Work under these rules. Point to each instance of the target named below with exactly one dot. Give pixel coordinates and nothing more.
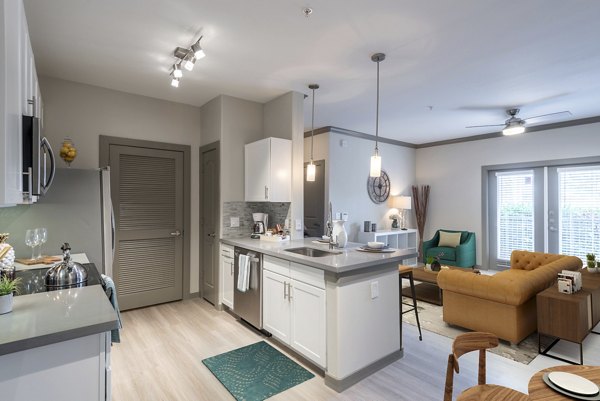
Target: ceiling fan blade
(566, 113)
(491, 125)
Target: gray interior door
(147, 192)
(314, 201)
(209, 192)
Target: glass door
(574, 210)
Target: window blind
(579, 210)
(515, 213)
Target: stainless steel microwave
(38, 160)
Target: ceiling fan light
(513, 130)
(311, 171)
(375, 170)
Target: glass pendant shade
(375, 165)
(311, 171)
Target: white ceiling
(469, 59)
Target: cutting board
(44, 260)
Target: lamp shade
(310, 171)
(402, 202)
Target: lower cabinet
(294, 307)
(226, 275)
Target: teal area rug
(256, 372)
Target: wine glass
(43, 236)
(32, 239)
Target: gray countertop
(55, 316)
(348, 262)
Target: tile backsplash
(278, 213)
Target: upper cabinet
(20, 97)
(268, 170)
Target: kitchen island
(56, 346)
(344, 307)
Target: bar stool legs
(408, 275)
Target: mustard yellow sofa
(503, 303)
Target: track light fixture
(187, 59)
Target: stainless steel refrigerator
(76, 209)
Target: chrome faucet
(330, 229)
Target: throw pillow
(451, 240)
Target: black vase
(436, 266)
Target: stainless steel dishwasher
(248, 304)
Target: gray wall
(454, 171)
(84, 112)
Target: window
(515, 213)
(579, 210)
(553, 208)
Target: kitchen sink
(312, 252)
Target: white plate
(573, 383)
(367, 249)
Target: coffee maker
(261, 221)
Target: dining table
(540, 391)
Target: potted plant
(7, 288)
(394, 218)
(591, 263)
(436, 266)
(428, 261)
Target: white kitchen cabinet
(308, 323)
(294, 307)
(268, 170)
(276, 306)
(227, 273)
(20, 88)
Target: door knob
(212, 235)
(176, 233)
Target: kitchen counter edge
(365, 263)
(31, 310)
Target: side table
(564, 317)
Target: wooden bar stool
(407, 273)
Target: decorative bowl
(376, 245)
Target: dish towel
(111, 292)
(243, 273)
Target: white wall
(454, 171)
(84, 112)
(348, 174)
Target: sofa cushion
(525, 260)
(449, 239)
(449, 253)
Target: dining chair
(477, 341)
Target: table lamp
(403, 203)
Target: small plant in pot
(8, 287)
(433, 263)
(592, 266)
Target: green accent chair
(461, 256)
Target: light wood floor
(159, 358)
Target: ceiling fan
(515, 125)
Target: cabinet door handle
(231, 264)
(266, 192)
(290, 292)
(284, 290)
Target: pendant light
(375, 170)
(311, 169)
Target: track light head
(177, 73)
(197, 50)
(189, 61)
(175, 82)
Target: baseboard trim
(340, 385)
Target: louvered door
(147, 191)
